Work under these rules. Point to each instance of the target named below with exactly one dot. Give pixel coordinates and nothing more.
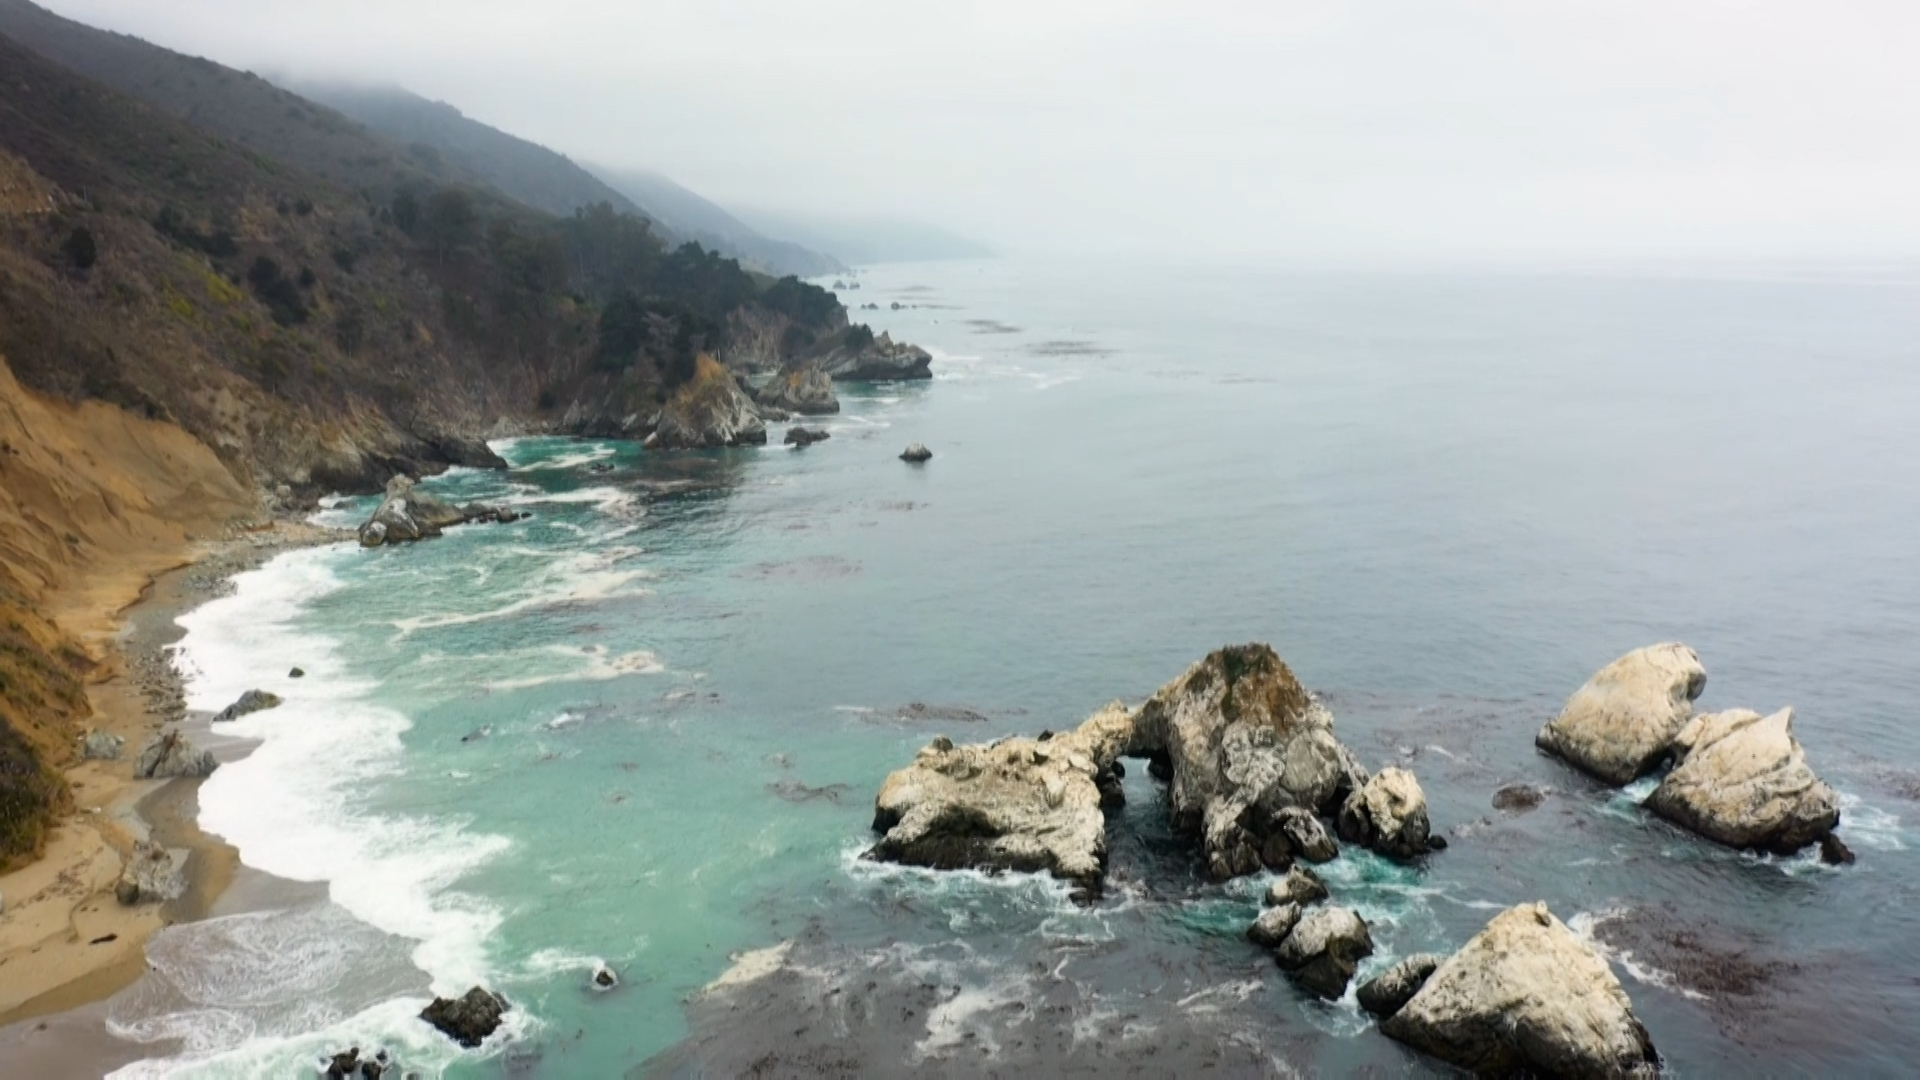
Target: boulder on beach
(805, 390)
(408, 514)
(101, 746)
(152, 875)
(1385, 993)
(1298, 886)
(1387, 814)
(1017, 804)
(172, 755)
(1246, 744)
(1622, 723)
(468, 1019)
(1527, 997)
(708, 410)
(916, 452)
(1743, 781)
(252, 701)
(1324, 949)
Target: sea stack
(1621, 724)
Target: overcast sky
(1412, 129)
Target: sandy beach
(66, 942)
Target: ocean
(644, 726)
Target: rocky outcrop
(1526, 996)
(1621, 724)
(805, 390)
(802, 437)
(408, 514)
(1299, 886)
(252, 701)
(1743, 781)
(172, 755)
(1324, 949)
(1017, 804)
(1385, 993)
(1250, 758)
(468, 1019)
(1387, 814)
(1273, 925)
(863, 358)
(709, 410)
(1245, 744)
(349, 1065)
(916, 453)
(152, 875)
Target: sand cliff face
(93, 501)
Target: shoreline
(66, 943)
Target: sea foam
(297, 806)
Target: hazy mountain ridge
(439, 136)
(697, 218)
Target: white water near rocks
(644, 730)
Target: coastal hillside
(92, 500)
(320, 338)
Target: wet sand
(66, 943)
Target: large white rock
(1526, 996)
(1388, 814)
(1018, 804)
(1744, 781)
(1621, 724)
(1244, 741)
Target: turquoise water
(643, 727)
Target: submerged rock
(252, 701)
(1387, 814)
(916, 452)
(469, 1019)
(603, 978)
(805, 390)
(1324, 950)
(708, 410)
(172, 755)
(1519, 798)
(1246, 743)
(1621, 724)
(799, 436)
(152, 875)
(102, 746)
(1273, 925)
(408, 514)
(1743, 781)
(1018, 804)
(1385, 993)
(1299, 886)
(1526, 996)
